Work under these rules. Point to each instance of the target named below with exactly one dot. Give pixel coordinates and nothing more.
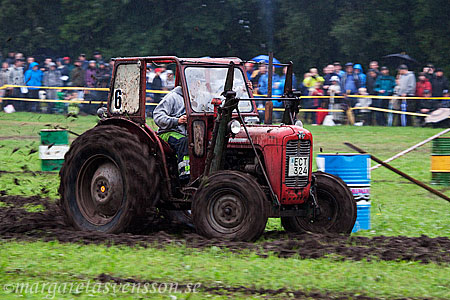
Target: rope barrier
(255, 95)
(79, 101)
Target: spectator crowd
(61, 72)
(334, 80)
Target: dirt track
(282, 293)
(17, 223)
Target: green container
(54, 145)
(441, 145)
(54, 136)
(440, 178)
(49, 165)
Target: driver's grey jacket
(169, 110)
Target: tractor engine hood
(266, 135)
(275, 144)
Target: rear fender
(148, 135)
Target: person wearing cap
(384, 86)
(157, 84)
(350, 81)
(77, 77)
(440, 87)
(439, 84)
(98, 58)
(84, 62)
(91, 74)
(52, 78)
(425, 70)
(335, 87)
(338, 69)
(66, 62)
(429, 71)
(407, 88)
(334, 90)
(169, 84)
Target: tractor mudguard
(157, 145)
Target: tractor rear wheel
(230, 205)
(109, 181)
(337, 208)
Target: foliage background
(311, 33)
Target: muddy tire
(109, 181)
(230, 205)
(337, 205)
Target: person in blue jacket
(277, 90)
(33, 77)
(384, 86)
(362, 77)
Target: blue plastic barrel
(363, 219)
(354, 169)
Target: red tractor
(120, 173)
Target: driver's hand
(182, 119)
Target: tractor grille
(296, 148)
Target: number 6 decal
(117, 98)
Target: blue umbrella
(265, 58)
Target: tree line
(310, 33)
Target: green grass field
(398, 208)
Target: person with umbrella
(400, 59)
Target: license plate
(298, 166)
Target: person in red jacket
(317, 103)
(423, 89)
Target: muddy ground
(281, 293)
(17, 223)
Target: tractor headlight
(299, 123)
(234, 126)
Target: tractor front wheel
(230, 205)
(337, 208)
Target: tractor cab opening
(207, 83)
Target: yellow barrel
(440, 161)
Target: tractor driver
(170, 116)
